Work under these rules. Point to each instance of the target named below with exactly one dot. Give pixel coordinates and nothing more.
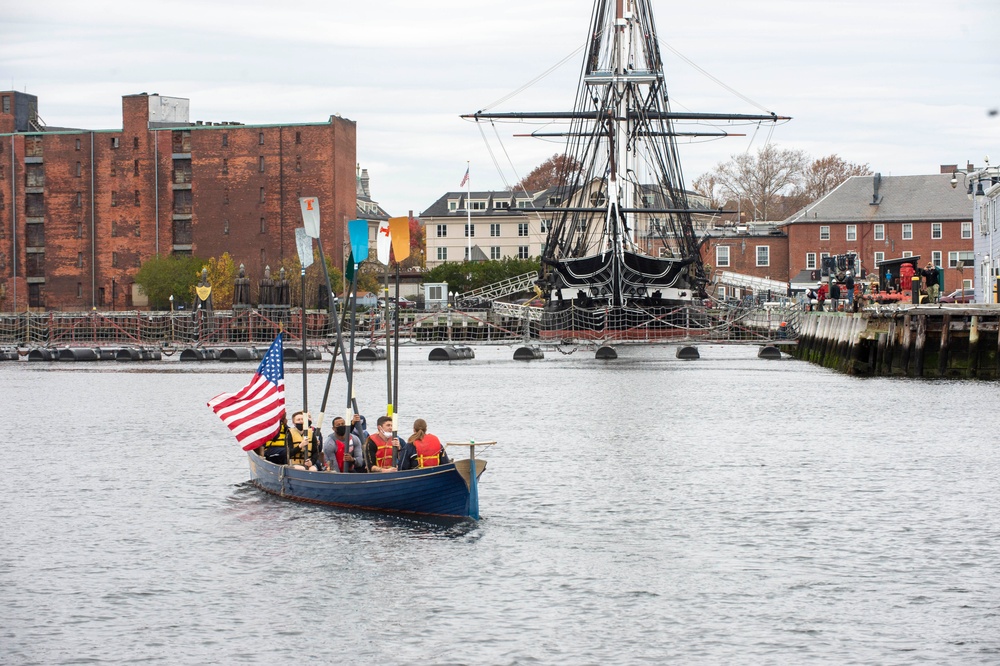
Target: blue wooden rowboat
(444, 490)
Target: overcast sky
(904, 85)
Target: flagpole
(468, 213)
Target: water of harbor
(643, 510)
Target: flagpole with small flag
(468, 213)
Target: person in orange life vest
(381, 450)
(423, 449)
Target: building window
(135, 167)
(544, 226)
(225, 196)
(936, 230)
(135, 142)
(824, 233)
(907, 231)
(6, 103)
(225, 227)
(442, 230)
(442, 254)
(879, 258)
(79, 169)
(936, 258)
(114, 198)
(79, 290)
(260, 139)
(263, 257)
(879, 232)
(137, 197)
(907, 253)
(477, 205)
(810, 261)
(501, 205)
(494, 230)
(722, 256)
(452, 205)
(852, 232)
(263, 225)
(225, 140)
(262, 195)
(114, 260)
(225, 166)
(966, 230)
(763, 255)
(78, 201)
(260, 164)
(494, 252)
(34, 294)
(79, 259)
(522, 229)
(298, 138)
(114, 168)
(79, 229)
(298, 163)
(78, 144)
(522, 252)
(470, 230)
(114, 142)
(961, 259)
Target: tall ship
(621, 234)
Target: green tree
(172, 275)
(222, 274)
(467, 275)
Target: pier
(959, 341)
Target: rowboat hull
(443, 490)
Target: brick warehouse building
(81, 209)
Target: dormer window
(555, 201)
(452, 204)
(501, 205)
(477, 205)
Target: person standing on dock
(931, 281)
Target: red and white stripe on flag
(254, 413)
(465, 178)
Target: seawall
(919, 341)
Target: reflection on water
(715, 511)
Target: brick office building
(754, 250)
(887, 217)
(80, 210)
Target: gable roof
(926, 198)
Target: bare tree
(827, 173)
(759, 182)
(548, 173)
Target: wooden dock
(958, 341)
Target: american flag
(465, 178)
(254, 414)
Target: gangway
(757, 284)
(491, 292)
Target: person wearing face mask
(305, 453)
(382, 449)
(348, 457)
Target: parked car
(404, 303)
(960, 296)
